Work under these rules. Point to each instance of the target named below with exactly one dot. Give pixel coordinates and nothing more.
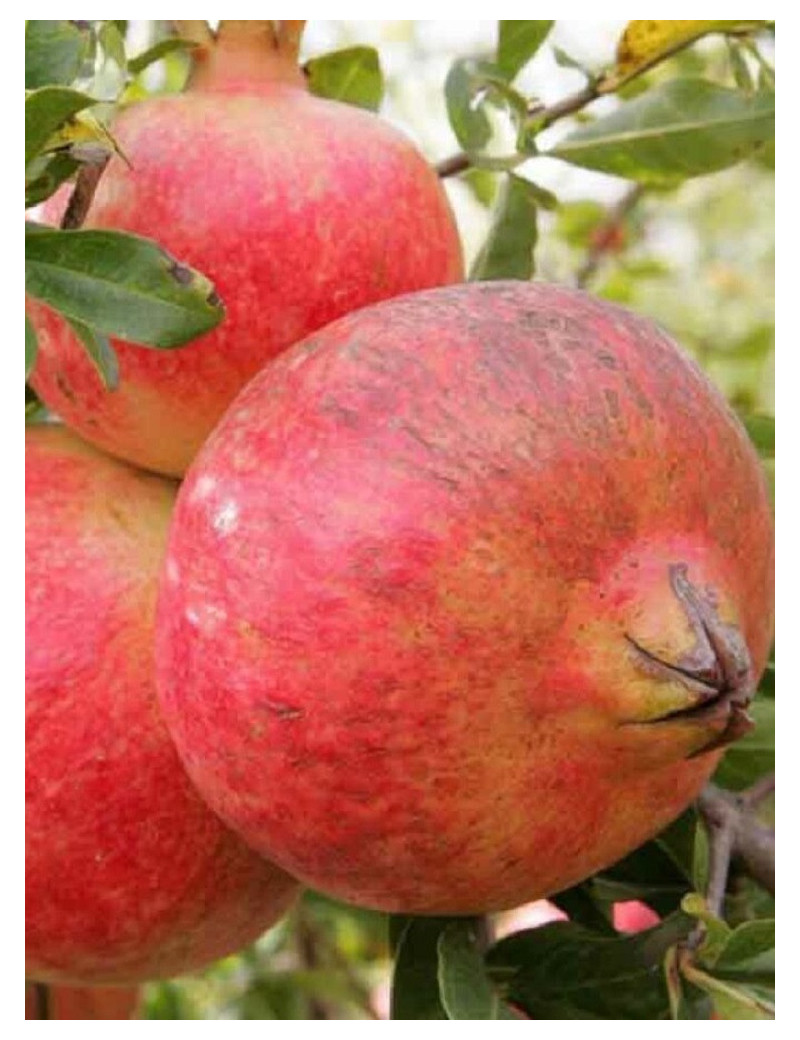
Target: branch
(735, 833)
(598, 86)
(606, 233)
(82, 194)
(546, 116)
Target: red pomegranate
(464, 596)
(128, 875)
(299, 209)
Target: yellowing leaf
(80, 131)
(643, 44)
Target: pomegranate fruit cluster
(460, 599)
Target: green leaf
(469, 86)
(352, 75)
(562, 970)
(762, 432)
(735, 1000)
(46, 109)
(100, 353)
(54, 52)
(156, 52)
(517, 42)
(45, 174)
(580, 906)
(465, 989)
(508, 249)
(682, 128)
(113, 44)
(700, 860)
(120, 284)
(31, 347)
(415, 985)
(749, 953)
(754, 754)
(716, 932)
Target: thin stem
(545, 116)
(82, 194)
(736, 833)
(606, 234)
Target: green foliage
(119, 284)
(517, 43)
(508, 249)
(352, 75)
(680, 129)
(564, 970)
(54, 53)
(464, 986)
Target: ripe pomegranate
(298, 208)
(128, 875)
(464, 596)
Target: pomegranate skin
(463, 597)
(299, 209)
(128, 875)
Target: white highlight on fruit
(226, 518)
(203, 487)
(172, 569)
(205, 616)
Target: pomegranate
(128, 875)
(464, 597)
(298, 208)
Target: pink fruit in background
(128, 875)
(298, 208)
(464, 596)
(632, 915)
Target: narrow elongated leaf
(31, 347)
(119, 284)
(352, 75)
(159, 50)
(469, 87)
(508, 250)
(644, 43)
(680, 129)
(749, 954)
(735, 999)
(415, 986)
(100, 353)
(54, 52)
(113, 44)
(46, 110)
(564, 970)
(517, 42)
(465, 989)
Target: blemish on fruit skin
(226, 518)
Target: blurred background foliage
(698, 258)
